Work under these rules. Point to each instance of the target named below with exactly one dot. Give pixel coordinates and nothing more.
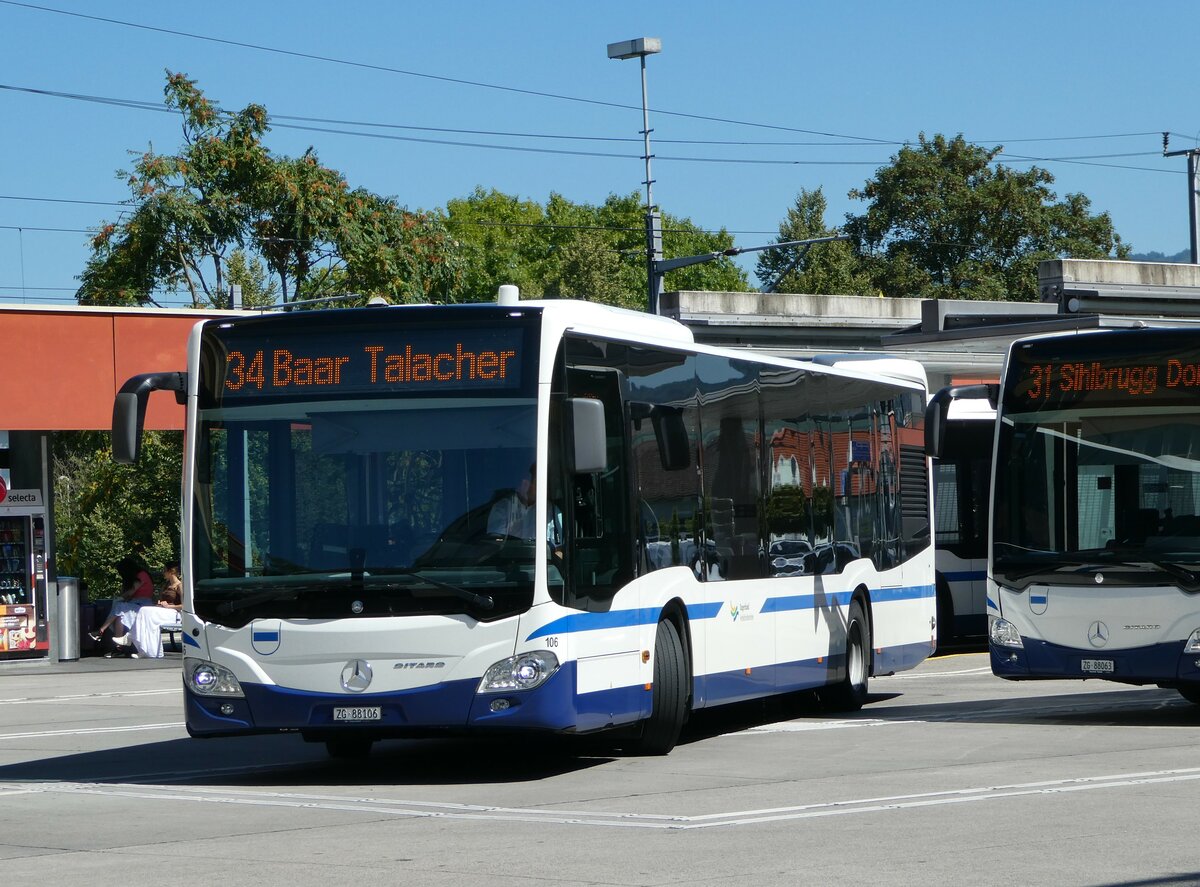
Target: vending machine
(23, 618)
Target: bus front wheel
(850, 693)
(661, 730)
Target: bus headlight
(522, 672)
(209, 679)
(1193, 643)
(1005, 634)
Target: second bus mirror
(935, 423)
(939, 408)
(588, 432)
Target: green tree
(224, 191)
(105, 511)
(946, 221)
(828, 268)
(501, 239)
(251, 276)
(577, 250)
(587, 267)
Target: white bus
(1095, 542)
(962, 476)
(707, 527)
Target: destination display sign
(1105, 370)
(259, 362)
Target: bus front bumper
(450, 707)
(1164, 664)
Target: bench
(172, 636)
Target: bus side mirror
(939, 407)
(935, 428)
(129, 411)
(672, 438)
(590, 450)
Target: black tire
(850, 692)
(1190, 692)
(349, 748)
(661, 730)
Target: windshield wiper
(482, 601)
(282, 587)
(1189, 579)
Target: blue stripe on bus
(617, 619)
(804, 601)
(842, 598)
(649, 615)
(268, 637)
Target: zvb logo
(1097, 634)
(356, 675)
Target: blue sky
(1097, 81)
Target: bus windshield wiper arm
(1059, 566)
(281, 589)
(483, 601)
(1189, 577)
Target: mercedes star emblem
(356, 675)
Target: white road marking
(912, 676)
(92, 731)
(807, 726)
(424, 810)
(87, 697)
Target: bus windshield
(1098, 469)
(363, 507)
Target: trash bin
(68, 618)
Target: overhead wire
(293, 53)
(304, 123)
(329, 130)
(259, 47)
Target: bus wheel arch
(672, 684)
(850, 692)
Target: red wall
(61, 367)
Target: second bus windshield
(1099, 456)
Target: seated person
(137, 590)
(150, 621)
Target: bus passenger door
(601, 542)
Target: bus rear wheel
(850, 693)
(1190, 692)
(661, 730)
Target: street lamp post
(639, 49)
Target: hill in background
(1183, 256)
